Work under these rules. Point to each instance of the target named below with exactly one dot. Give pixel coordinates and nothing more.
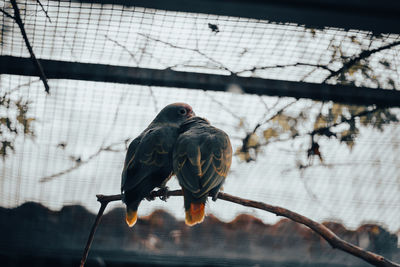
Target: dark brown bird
(148, 161)
(202, 157)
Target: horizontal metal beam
(381, 16)
(169, 78)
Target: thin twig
(273, 116)
(227, 109)
(7, 14)
(44, 10)
(222, 66)
(320, 229)
(154, 98)
(123, 47)
(16, 88)
(36, 62)
(286, 66)
(80, 163)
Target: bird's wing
(202, 162)
(129, 158)
(148, 156)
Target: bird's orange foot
(163, 191)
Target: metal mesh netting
(80, 146)
(82, 128)
(148, 38)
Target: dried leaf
(243, 156)
(213, 27)
(385, 63)
(354, 68)
(283, 121)
(253, 140)
(390, 81)
(269, 133)
(354, 40)
(241, 123)
(336, 111)
(320, 122)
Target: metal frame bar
(376, 16)
(191, 80)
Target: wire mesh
(82, 128)
(149, 38)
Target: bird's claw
(150, 197)
(163, 191)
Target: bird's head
(175, 113)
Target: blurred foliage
(14, 121)
(336, 121)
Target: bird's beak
(191, 114)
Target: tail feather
(195, 214)
(131, 217)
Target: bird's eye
(182, 111)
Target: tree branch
(364, 54)
(44, 10)
(80, 163)
(7, 14)
(124, 48)
(188, 49)
(35, 61)
(320, 229)
(322, 130)
(286, 66)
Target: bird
(148, 161)
(202, 157)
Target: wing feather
(147, 155)
(202, 161)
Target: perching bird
(148, 161)
(202, 157)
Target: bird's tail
(195, 214)
(131, 217)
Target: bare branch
(322, 130)
(188, 49)
(320, 229)
(273, 116)
(223, 106)
(363, 55)
(153, 96)
(16, 88)
(7, 14)
(286, 66)
(35, 61)
(123, 47)
(80, 163)
(44, 10)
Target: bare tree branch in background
(18, 20)
(44, 10)
(320, 229)
(286, 66)
(124, 48)
(196, 50)
(7, 14)
(364, 54)
(79, 162)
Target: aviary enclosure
(306, 90)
